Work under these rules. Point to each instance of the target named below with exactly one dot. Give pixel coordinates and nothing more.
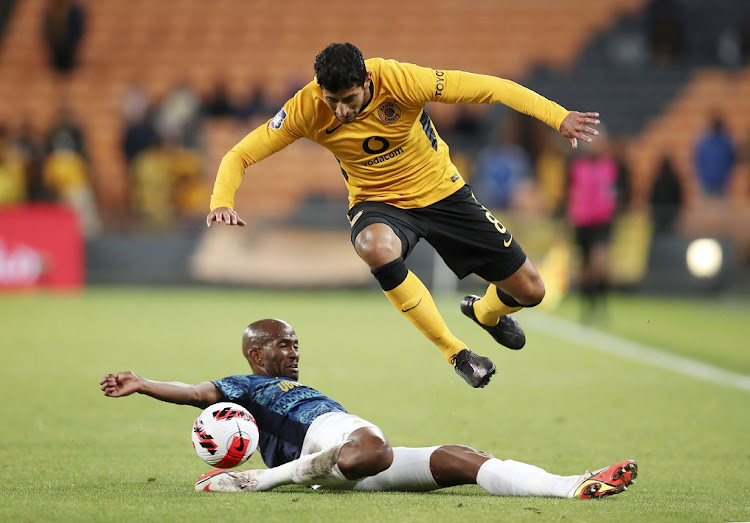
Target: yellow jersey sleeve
(459, 87)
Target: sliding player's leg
(431, 468)
(339, 449)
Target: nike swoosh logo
(241, 446)
(410, 308)
(329, 131)
(508, 242)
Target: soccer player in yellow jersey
(403, 186)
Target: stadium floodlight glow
(704, 257)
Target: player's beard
(352, 117)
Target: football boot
(228, 481)
(475, 369)
(607, 481)
(507, 331)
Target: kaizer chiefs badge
(389, 112)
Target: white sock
(272, 478)
(513, 478)
(319, 468)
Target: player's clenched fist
(121, 384)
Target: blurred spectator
(501, 170)
(624, 189)
(592, 204)
(744, 36)
(12, 179)
(257, 104)
(63, 29)
(219, 104)
(65, 132)
(152, 193)
(178, 117)
(66, 175)
(139, 135)
(733, 46)
(31, 153)
(140, 131)
(166, 185)
(667, 197)
(135, 103)
(467, 129)
(530, 132)
(714, 158)
(551, 168)
(665, 27)
(189, 196)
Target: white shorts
(334, 428)
(410, 472)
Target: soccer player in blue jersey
(403, 186)
(306, 438)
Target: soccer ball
(225, 435)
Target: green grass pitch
(70, 454)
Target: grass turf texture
(70, 454)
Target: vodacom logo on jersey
(20, 265)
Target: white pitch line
(601, 341)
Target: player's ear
(255, 358)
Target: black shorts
(463, 232)
(589, 236)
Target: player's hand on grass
(576, 127)
(120, 384)
(226, 215)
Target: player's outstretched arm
(226, 215)
(575, 127)
(126, 383)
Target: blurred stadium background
(108, 153)
(123, 110)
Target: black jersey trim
(428, 129)
(343, 172)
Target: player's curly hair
(339, 67)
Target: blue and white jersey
(283, 410)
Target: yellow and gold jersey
(391, 152)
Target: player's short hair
(339, 67)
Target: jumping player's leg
(470, 239)
(524, 288)
(383, 236)
(381, 249)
